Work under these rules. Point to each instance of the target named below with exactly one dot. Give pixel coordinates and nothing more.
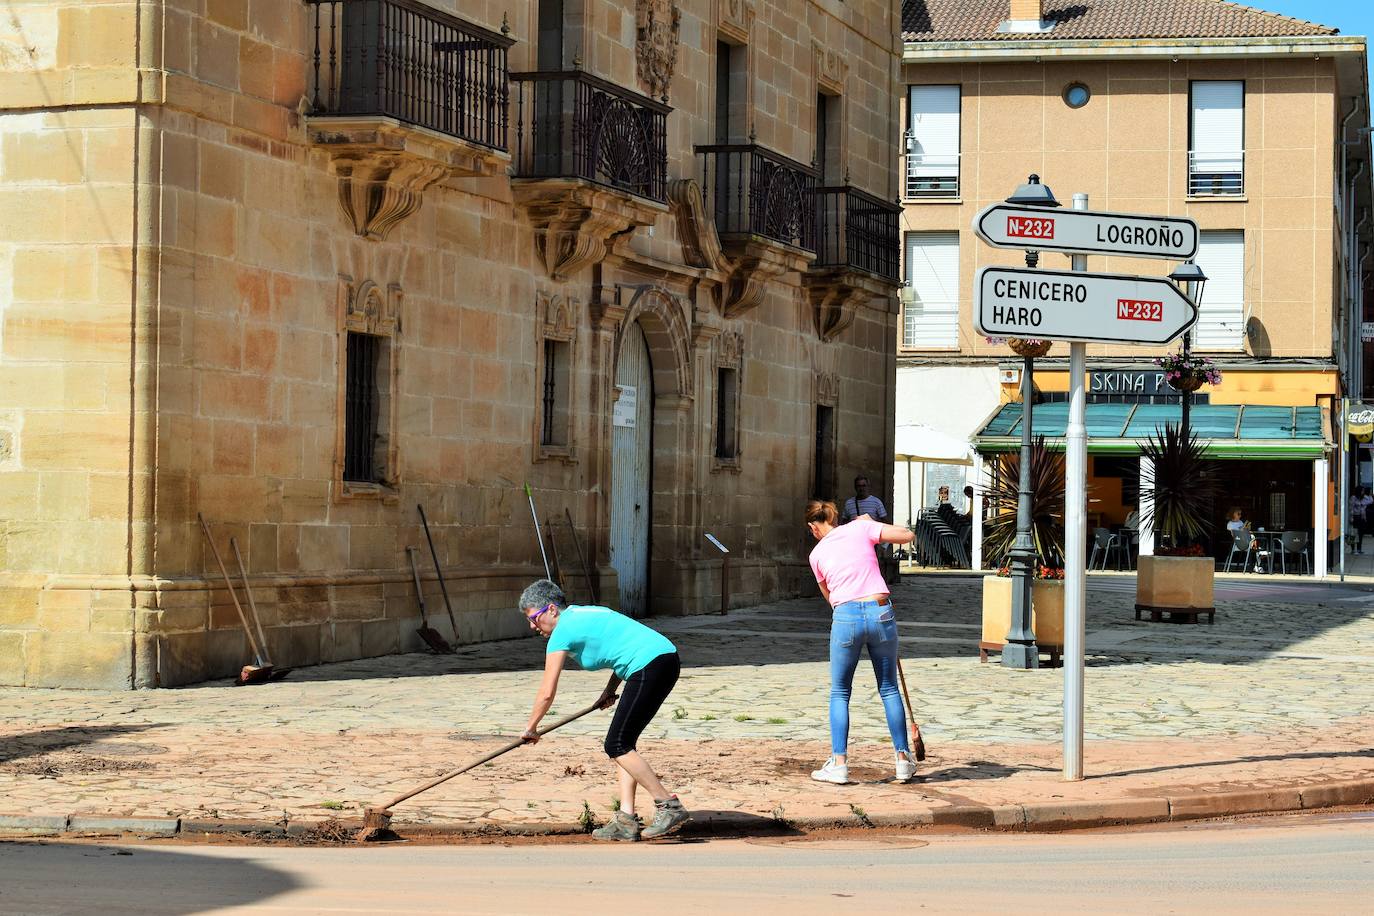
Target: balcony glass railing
(925, 175)
(404, 60)
(750, 190)
(570, 124)
(1216, 174)
(856, 229)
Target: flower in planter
(1037, 572)
(1178, 366)
(1190, 550)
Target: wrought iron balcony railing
(404, 60)
(1216, 174)
(750, 190)
(856, 229)
(570, 124)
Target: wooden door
(631, 431)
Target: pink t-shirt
(844, 560)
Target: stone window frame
(729, 355)
(830, 72)
(827, 394)
(367, 308)
(734, 27)
(555, 320)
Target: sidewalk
(1274, 698)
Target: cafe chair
(1106, 543)
(1294, 543)
(1242, 542)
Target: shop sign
(1359, 420)
(1366, 331)
(1133, 383)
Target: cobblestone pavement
(1276, 693)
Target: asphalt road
(1321, 864)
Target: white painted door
(631, 427)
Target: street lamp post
(1019, 650)
(1193, 279)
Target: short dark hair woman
(847, 571)
(600, 638)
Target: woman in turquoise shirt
(599, 638)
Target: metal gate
(631, 428)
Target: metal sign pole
(1343, 484)
(1075, 544)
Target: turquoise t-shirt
(599, 638)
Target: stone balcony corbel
(384, 167)
(576, 221)
(836, 293)
(856, 263)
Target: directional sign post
(1069, 305)
(1087, 232)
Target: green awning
(1227, 430)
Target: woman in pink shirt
(847, 571)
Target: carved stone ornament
(368, 309)
(575, 222)
(742, 280)
(378, 190)
(835, 295)
(735, 19)
(831, 68)
(827, 388)
(557, 314)
(657, 24)
(730, 349)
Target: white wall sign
(1087, 232)
(623, 413)
(1072, 305)
(1367, 331)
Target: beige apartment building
(300, 267)
(1252, 124)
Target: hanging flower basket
(1029, 346)
(1187, 381)
(1186, 372)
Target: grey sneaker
(669, 815)
(623, 827)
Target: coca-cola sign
(1359, 420)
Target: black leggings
(644, 693)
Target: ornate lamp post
(1191, 277)
(1020, 650)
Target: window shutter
(1218, 122)
(931, 319)
(934, 122)
(1221, 322)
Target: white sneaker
(837, 773)
(906, 768)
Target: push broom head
(376, 826)
(252, 674)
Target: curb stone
(1036, 817)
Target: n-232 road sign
(1132, 235)
(1071, 305)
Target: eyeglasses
(542, 611)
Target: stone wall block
(380, 637)
(324, 547)
(295, 645)
(18, 608)
(12, 660)
(182, 658)
(342, 640)
(89, 661)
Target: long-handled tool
(553, 549)
(428, 634)
(276, 673)
(537, 533)
(249, 674)
(438, 571)
(918, 744)
(586, 570)
(377, 820)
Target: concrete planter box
(1178, 586)
(1047, 615)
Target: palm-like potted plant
(1177, 580)
(1047, 479)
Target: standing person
(1360, 501)
(864, 503)
(599, 638)
(847, 572)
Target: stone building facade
(300, 266)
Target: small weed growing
(586, 820)
(744, 718)
(861, 814)
(708, 718)
(774, 720)
(615, 804)
(333, 805)
(679, 714)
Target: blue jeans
(856, 624)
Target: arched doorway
(632, 421)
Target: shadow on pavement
(49, 740)
(77, 877)
(1253, 758)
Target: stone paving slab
(1274, 696)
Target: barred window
(554, 393)
(366, 392)
(727, 413)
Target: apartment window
(1221, 321)
(823, 485)
(554, 393)
(1216, 141)
(550, 44)
(731, 92)
(930, 301)
(364, 396)
(932, 142)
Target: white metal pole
(1147, 507)
(1321, 481)
(1075, 543)
(975, 511)
(1343, 484)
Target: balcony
(857, 249)
(1216, 174)
(403, 96)
(927, 177)
(754, 192)
(591, 162)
